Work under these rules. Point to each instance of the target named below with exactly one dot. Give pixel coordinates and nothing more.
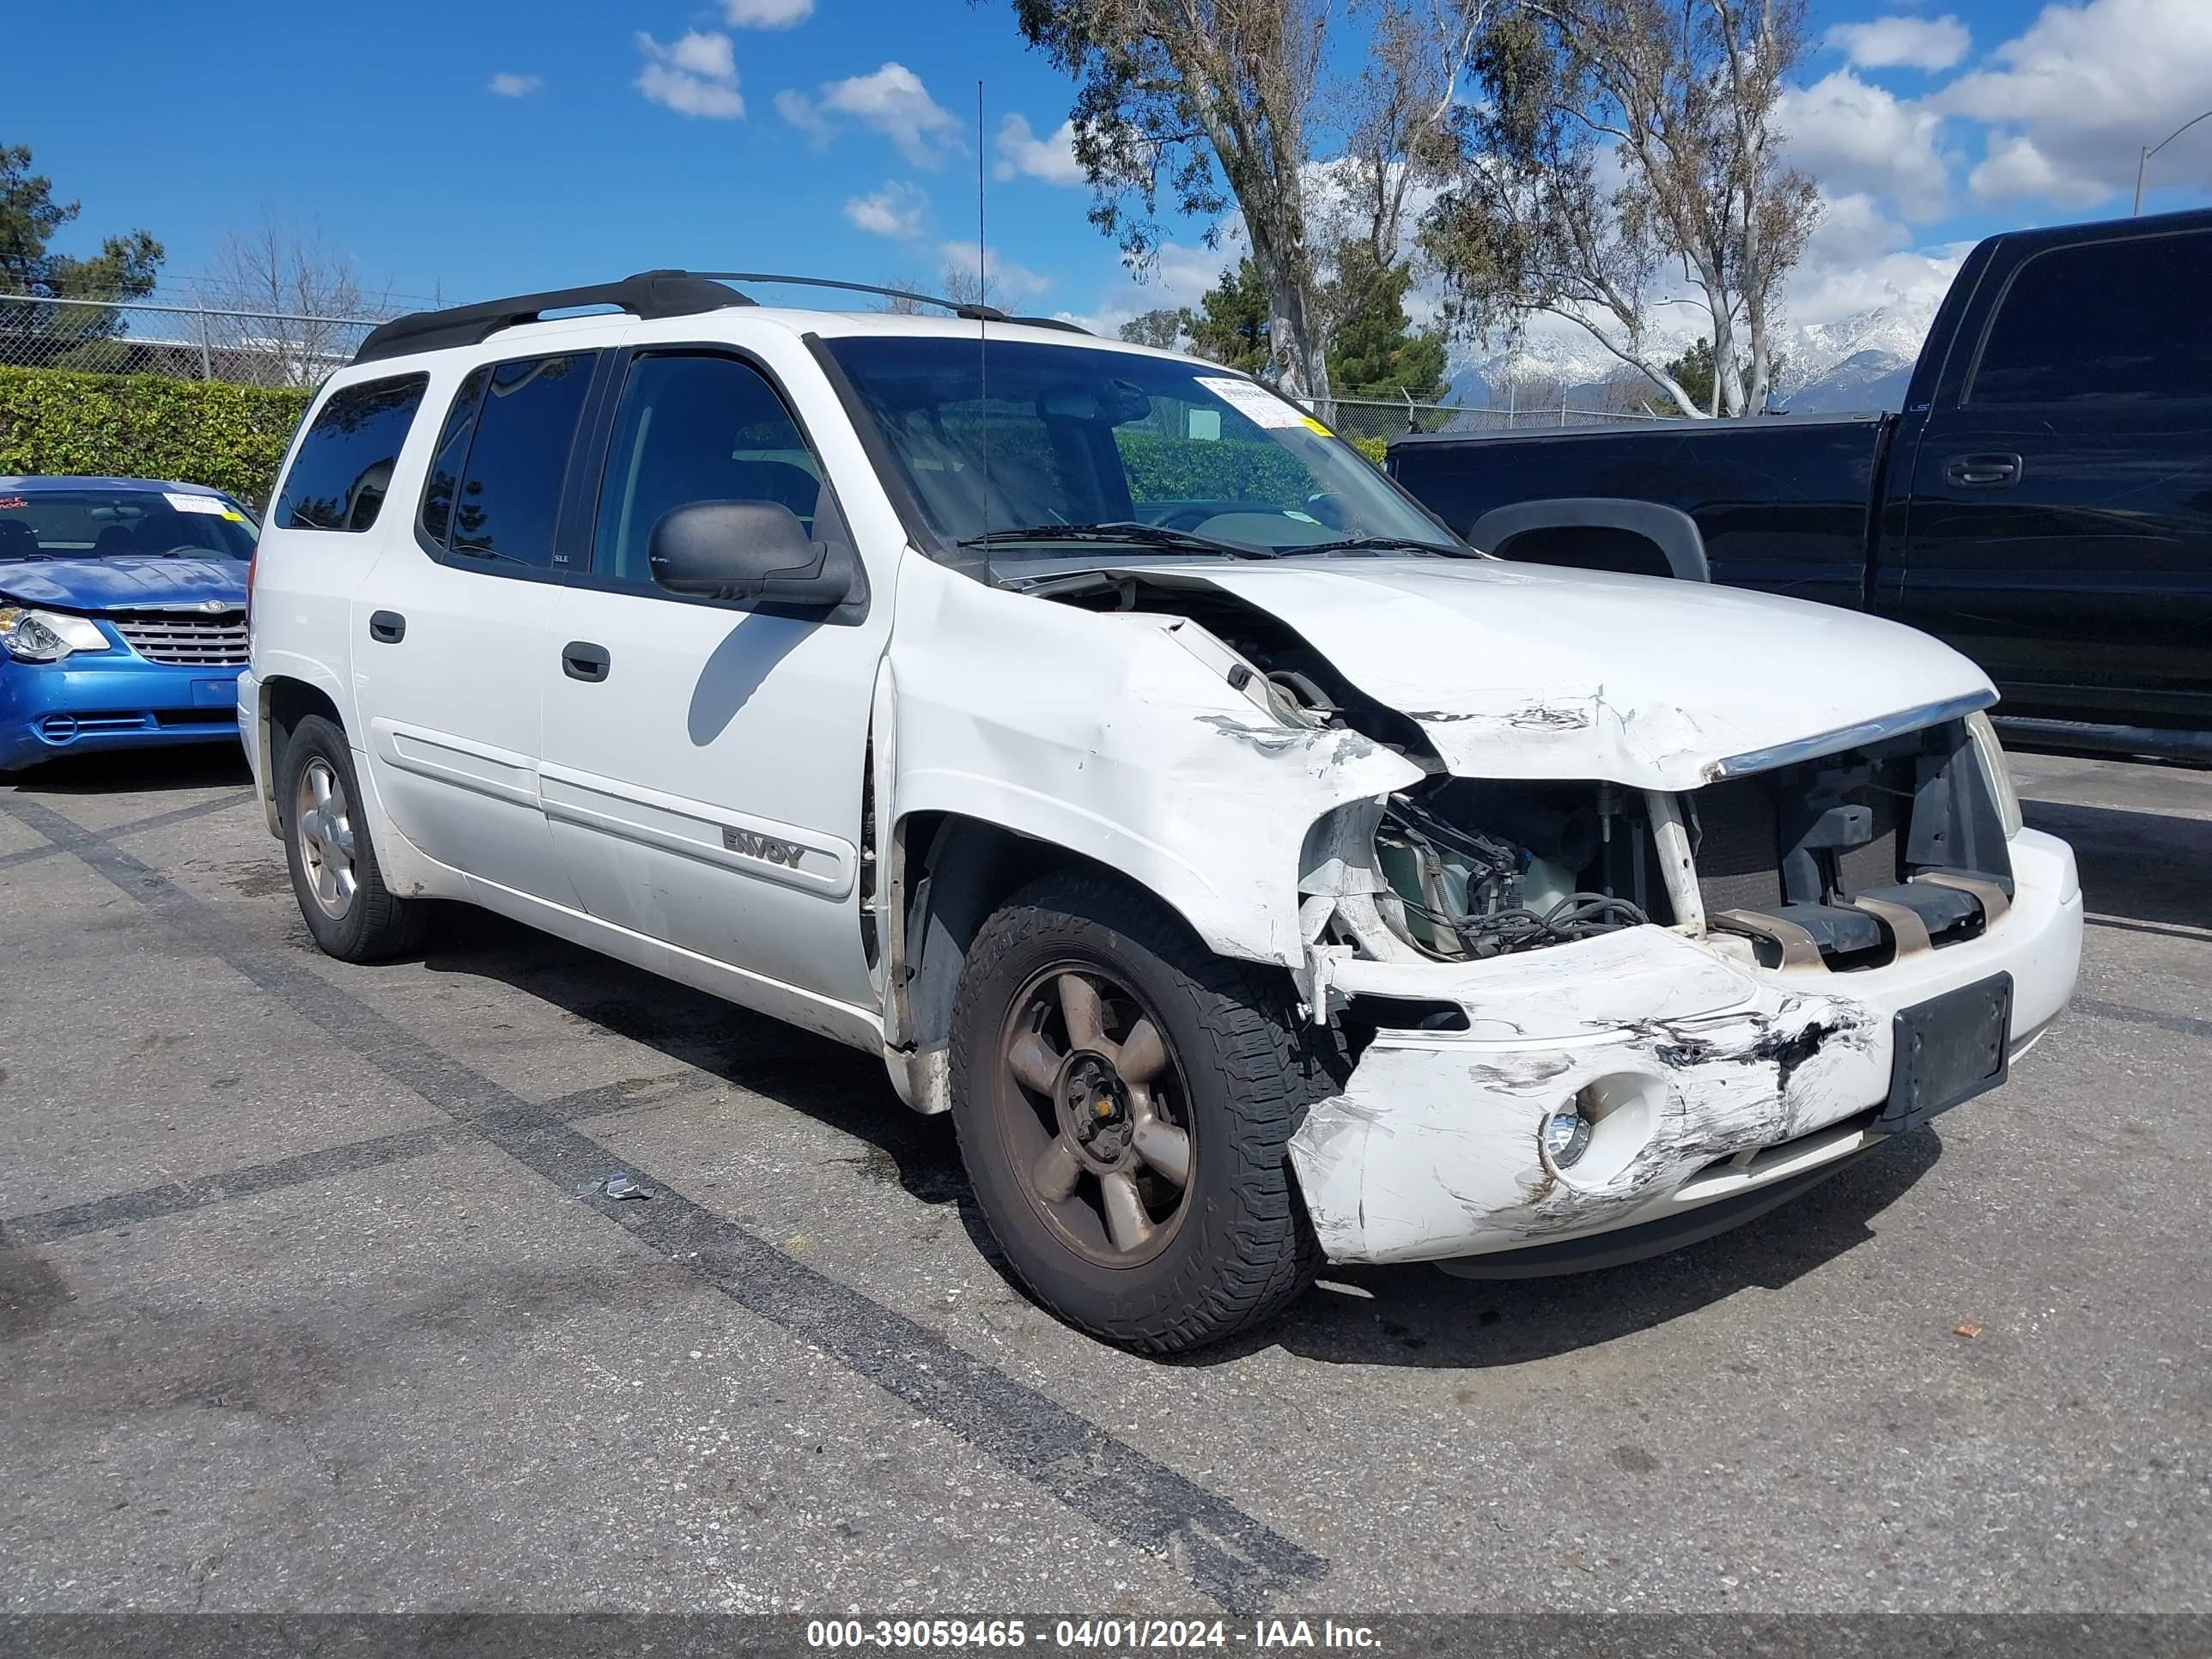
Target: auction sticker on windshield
(1254, 401)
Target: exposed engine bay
(1458, 892)
(1845, 861)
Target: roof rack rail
(974, 314)
(648, 294)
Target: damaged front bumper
(1710, 1079)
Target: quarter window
(508, 498)
(700, 428)
(338, 479)
(447, 460)
(2105, 322)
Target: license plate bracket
(1948, 1049)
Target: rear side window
(494, 491)
(338, 479)
(2105, 322)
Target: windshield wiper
(1361, 544)
(1143, 535)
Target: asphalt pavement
(300, 1308)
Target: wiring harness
(1496, 922)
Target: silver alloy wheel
(322, 821)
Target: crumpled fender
(1102, 733)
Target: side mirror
(753, 553)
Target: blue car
(122, 615)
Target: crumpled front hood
(123, 583)
(1522, 670)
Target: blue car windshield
(106, 523)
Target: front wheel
(1125, 1100)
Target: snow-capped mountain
(1874, 379)
(1855, 362)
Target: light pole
(2144, 161)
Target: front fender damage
(1433, 1150)
(1142, 741)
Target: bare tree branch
(298, 286)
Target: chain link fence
(195, 341)
(186, 342)
(1362, 418)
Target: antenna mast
(982, 327)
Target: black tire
(371, 923)
(1243, 1073)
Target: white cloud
(2085, 86)
(695, 75)
(766, 13)
(1022, 153)
(2015, 167)
(1010, 283)
(507, 85)
(892, 101)
(1859, 260)
(897, 210)
(1920, 43)
(1181, 272)
(800, 111)
(1852, 136)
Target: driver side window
(700, 427)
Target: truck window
(2117, 321)
(445, 460)
(338, 479)
(503, 510)
(699, 429)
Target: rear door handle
(582, 660)
(1983, 471)
(387, 627)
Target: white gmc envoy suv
(1260, 876)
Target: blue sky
(837, 137)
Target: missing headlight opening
(1479, 870)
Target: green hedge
(147, 426)
(1181, 469)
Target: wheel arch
(1675, 544)
(951, 872)
(283, 702)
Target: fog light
(1566, 1137)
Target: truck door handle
(387, 627)
(1983, 471)
(582, 660)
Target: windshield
(106, 523)
(1080, 436)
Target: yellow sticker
(233, 515)
(1312, 425)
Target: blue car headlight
(47, 636)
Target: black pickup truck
(2044, 502)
